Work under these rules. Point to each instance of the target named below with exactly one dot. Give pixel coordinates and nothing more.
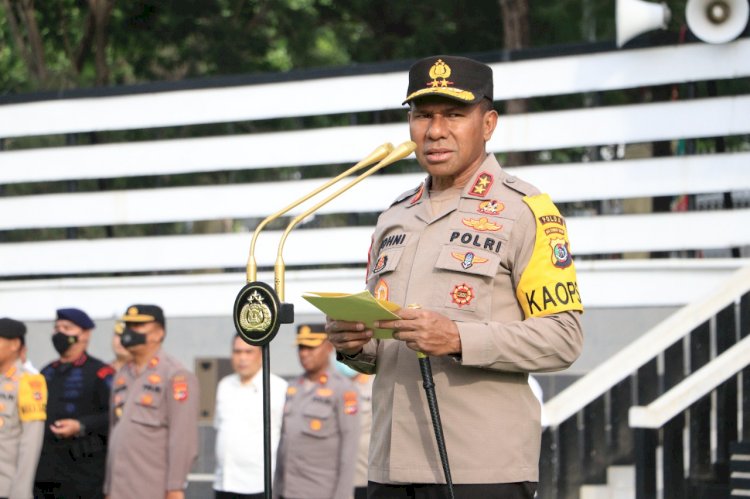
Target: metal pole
(429, 391)
(265, 351)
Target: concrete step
(620, 485)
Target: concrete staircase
(620, 485)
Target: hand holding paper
(359, 307)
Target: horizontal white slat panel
(565, 183)
(623, 124)
(589, 235)
(530, 132)
(206, 251)
(640, 178)
(212, 295)
(165, 157)
(659, 231)
(572, 74)
(190, 203)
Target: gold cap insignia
(133, 311)
(440, 72)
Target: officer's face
(315, 359)
(153, 330)
(246, 359)
(9, 349)
(67, 327)
(450, 138)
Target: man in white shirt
(239, 423)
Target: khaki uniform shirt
(154, 429)
(363, 383)
(23, 400)
(495, 260)
(319, 438)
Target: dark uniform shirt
(77, 390)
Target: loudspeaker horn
(717, 21)
(633, 17)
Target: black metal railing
(579, 450)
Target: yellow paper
(358, 307)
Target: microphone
(400, 152)
(259, 309)
(379, 153)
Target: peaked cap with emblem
(144, 313)
(458, 78)
(311, 335)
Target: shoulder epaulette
(520, 186)
(406, 195)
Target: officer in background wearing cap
(122, 355)
(320, 432)
(75, 439)
(23, 397)
(153, 415)
(480, 263)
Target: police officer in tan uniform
(486, 257)
(320, 432)
(23, 399)
(153, 415)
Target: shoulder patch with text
(32, 398)
(548, 284)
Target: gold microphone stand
(259, 309)
(379, 153)
(279, 268)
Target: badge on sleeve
(32, 398)
(548, 284)
(180, 388)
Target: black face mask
(130, 338)
(62, 342)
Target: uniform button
(510, 180)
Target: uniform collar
(10, 372)
(322, 379)
(256, 381)
(77, 363)
(152, 363)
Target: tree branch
(28, 14)
(15, 32)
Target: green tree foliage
(87, 43)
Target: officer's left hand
(175, 494)
(425, 331)
(66, 428)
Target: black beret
(76, 316)
(458, 78)
(10, 328)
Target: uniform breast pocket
(320, 419)
(148, 410)
(465, 278)
(386, 277)
(7, 415)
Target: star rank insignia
(482, 185)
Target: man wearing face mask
(153, 415)
(75, 437)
